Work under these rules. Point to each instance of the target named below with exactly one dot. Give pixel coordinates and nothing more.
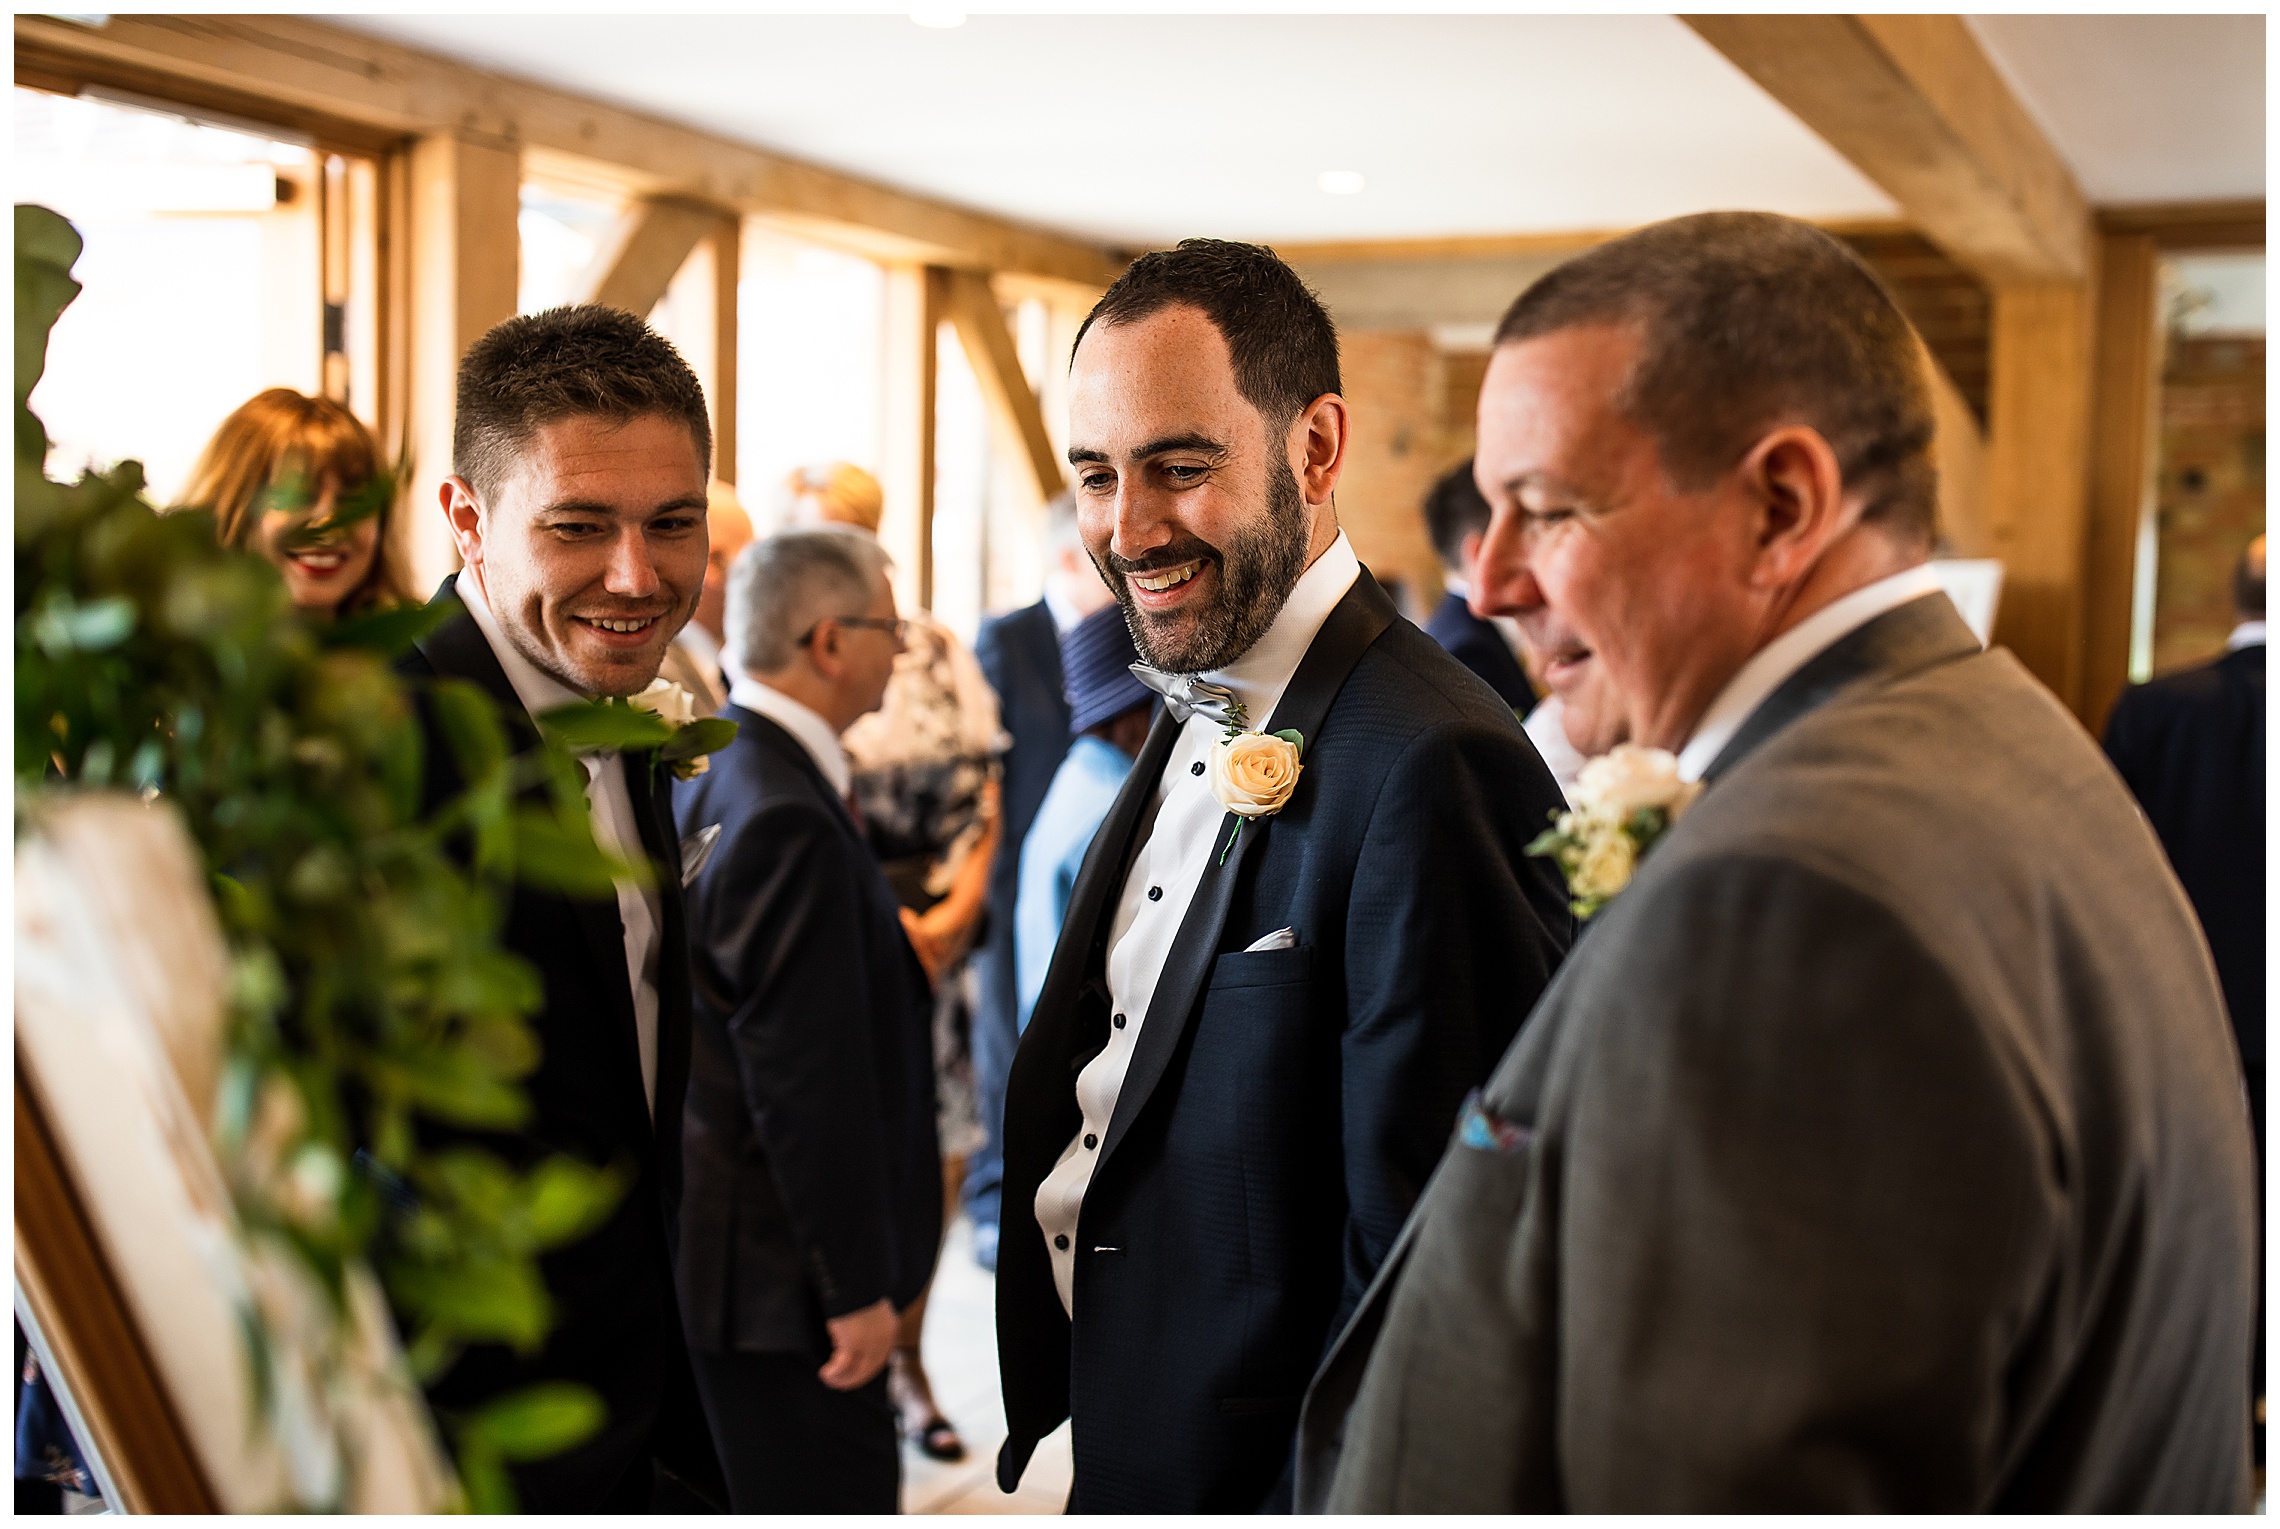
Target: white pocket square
(696, 849)
(1281, 939)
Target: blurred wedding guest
(1020, 655)
(926, 792)
(1455, 517)
(580, 450)
(1108, 711)
(693, 662)
(1308, 925)
(813, 1205)
(299, 480)
(1882, 1146)
(2191, 747)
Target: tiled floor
(960, 1345)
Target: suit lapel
(458, 650)
(1917, 635)
(1356, 622)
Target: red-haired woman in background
(276, 475)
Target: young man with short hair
(577, 500)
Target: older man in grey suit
(1881, 1147)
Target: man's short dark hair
(1749, 321)
(1278, 334)
(2248, 583)
(585, 359)
(1454, 510)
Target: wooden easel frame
(87, 1337)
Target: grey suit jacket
(1880, 1147)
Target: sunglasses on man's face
(894, 628)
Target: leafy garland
(377, 1026)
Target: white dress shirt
(1064, 612)
(1175, 848)
(803, 722)
(2249, 634)
(616, 829)
(1792, 651)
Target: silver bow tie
(1187, 695)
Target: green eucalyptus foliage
(377, 1026)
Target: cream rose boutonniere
(1253, 774)
(1625, 800)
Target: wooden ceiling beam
(1916, 105)
(646, 251)
(996, 363)
(298, 72)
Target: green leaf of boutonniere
(706, 735)
(1294, 738)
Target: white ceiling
(2143, 108)
(1143, 129)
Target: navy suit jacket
(814, 1188)
(1475, 642)
(617, 1327)
(1020, 655)
(1283, 1108)
(2191, 747)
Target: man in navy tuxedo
(1272, 990)
(1456, 517)
(813, 1205)
(577, 502)
(1020, 655)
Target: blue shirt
(1083, 790)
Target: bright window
(203, 278)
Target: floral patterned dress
(921, 763)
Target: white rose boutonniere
(664, 717)
(1626, 800)
(1253, 774)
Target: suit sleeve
(1808, 1208)
(1452, 933)
(784, 927)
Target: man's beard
(1258, 568)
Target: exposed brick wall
(2210, 497)
(1412, 420)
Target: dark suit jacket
(1283, 1108)
(2191, 747)
(1881, 1148)
(814, 1188)
(617, 1326)
(1475, 642)
(1020, 655)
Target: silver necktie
(1187, 695)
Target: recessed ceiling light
(941, 20)
(1342, 182)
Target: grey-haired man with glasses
(813, 1201)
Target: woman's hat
(1096, 669)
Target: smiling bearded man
(578, 505)
(1285, 959)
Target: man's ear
(464, 513)
(1468, 555)
(1792, 478)
(1317, 447)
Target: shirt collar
(1261, 675)
(803, 722)
(2249, 634)
(538, 691)
(1791, 651)
(1065, 615)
